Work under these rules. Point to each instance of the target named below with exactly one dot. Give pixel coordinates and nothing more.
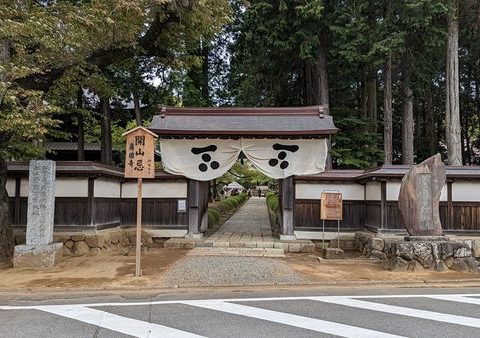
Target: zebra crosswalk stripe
(130, 326)
(455, 298)
(290, 319)
(398, 310)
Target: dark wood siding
(156, 212)
(107, 211)
(71, 211)
(307, 215)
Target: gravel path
(229, 271)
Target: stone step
(294, 246)
(237, 252)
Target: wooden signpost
(331, 209)
(139, 164)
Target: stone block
(476, 248)
(449, 262)
(378, 254)
(404, 250)
(426, 238)
(423, 254)
(66, 251)
(446, 250)
(333, 253)
(41, 203)
(308, 247)
(80, 248)
(69, 244)
(37, 256)
(459, 264)
(440, 266)
(95, 251)
(472, 263)
(60, 238)
(461, 250)
(294, 247)
(377, 244)
(78, 237)
(19, 239)
(388, 243)
(400, 264)
(95, 241)
(280, 245)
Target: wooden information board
(331, 206)
(140, 162)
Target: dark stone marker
(419, 197)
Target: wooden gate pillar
(287, 204)
(194, 209)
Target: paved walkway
(249, 227)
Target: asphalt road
(284, 313)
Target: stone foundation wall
(81, 244)
(401, 255)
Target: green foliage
(231, 202)
(351, 149)
(246, 175)
(272, 201)
(213, 216)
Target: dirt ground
(113, 270)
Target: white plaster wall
(24, 187)
(313, 191)
(393, 188)
(155, 189)
(71, 187)
(373, 191)
(468, 191)
(10, 187)
(106, 188)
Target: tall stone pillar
(39, 250)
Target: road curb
(457, 283)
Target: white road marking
(398, 310)
(261, 299)
(290, 319)
(133, 327)
(456, 298)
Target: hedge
(272, 201)
(224, 206)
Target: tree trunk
(4, 59)
(138, 112)
(431, 130)
(309, 87)
(81, 128)
(6, 230)
(205, 75)
(452, 111)
(322, 73)
(387, 113)
(370, 95)
(407, 119)
(106, 143)
(323, 94)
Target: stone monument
(419, 198)
(39, 250)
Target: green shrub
(213, 216)
(272, 201)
